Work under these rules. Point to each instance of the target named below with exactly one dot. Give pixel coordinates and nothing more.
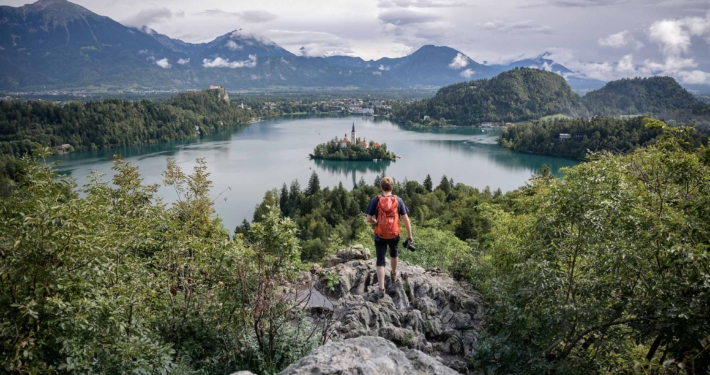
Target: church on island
(354, 141)
(353, 149)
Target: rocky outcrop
(366, 355)
(425, 312)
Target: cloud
(183, 61)
(233, 45)
(695, 77)
(405, 17)
(467, 73)
(163, 63)
(419, 4)
(257, 16)
(459, 62)
(626, 64)
(586, 3)
(225, 63)
(618, 40)
(150, 16)
(249, 16)
(528, 26)
(383, 67)
(314, 43)
(671, 36)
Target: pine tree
(313, 184)
(361, 183)
(284, 200)
(444, 185)
(428, 185)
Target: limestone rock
(426, 310)
(346, 255)
(366, 355)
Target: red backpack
(387, 226)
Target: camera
(409, 245)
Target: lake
(247, 162)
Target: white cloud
(383, 67)
(672, 38)
(527, 26)
(467, 73)
(314, 43)
(150, 16)
(626, 64)
(459, 62)
(695, 77)
(233, 45)
(620, 39)
(248, 16)
(183, 61)
(225, 63)
(406, 17)
(163, 63)
(418, 4)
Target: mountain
(652, 95)
(577, 81)
(54, 44)
(516, 95)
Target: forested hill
(654, 95)
(28, 125)
(517, 95)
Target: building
(345, 141)
(368, 111)
(353, 139)
(363, 144)
(564, 136)
(213, 87)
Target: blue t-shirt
(372, 209)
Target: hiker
(384, 211)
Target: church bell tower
(353, 139)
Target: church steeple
(353, 140)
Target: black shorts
(381, 249)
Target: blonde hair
(387, 184)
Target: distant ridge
(80, 49)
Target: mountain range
(53, 44)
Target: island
(352, 149)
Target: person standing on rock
(385, 211)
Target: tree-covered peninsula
(27, 126)
(575, 138)
(343, 149)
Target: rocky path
(427, 323)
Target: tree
(428, 184)
(313, 184)
(444, 185)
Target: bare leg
(394, 265)
(381, 276)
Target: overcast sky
(604, 39)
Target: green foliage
(597, 134)
(114, 281)
(333, 150)
(517, 95)
(640, 96)
(604, 270)
(329, 219)
(26, 126)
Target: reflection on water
(248, 161)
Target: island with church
(352, 148)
